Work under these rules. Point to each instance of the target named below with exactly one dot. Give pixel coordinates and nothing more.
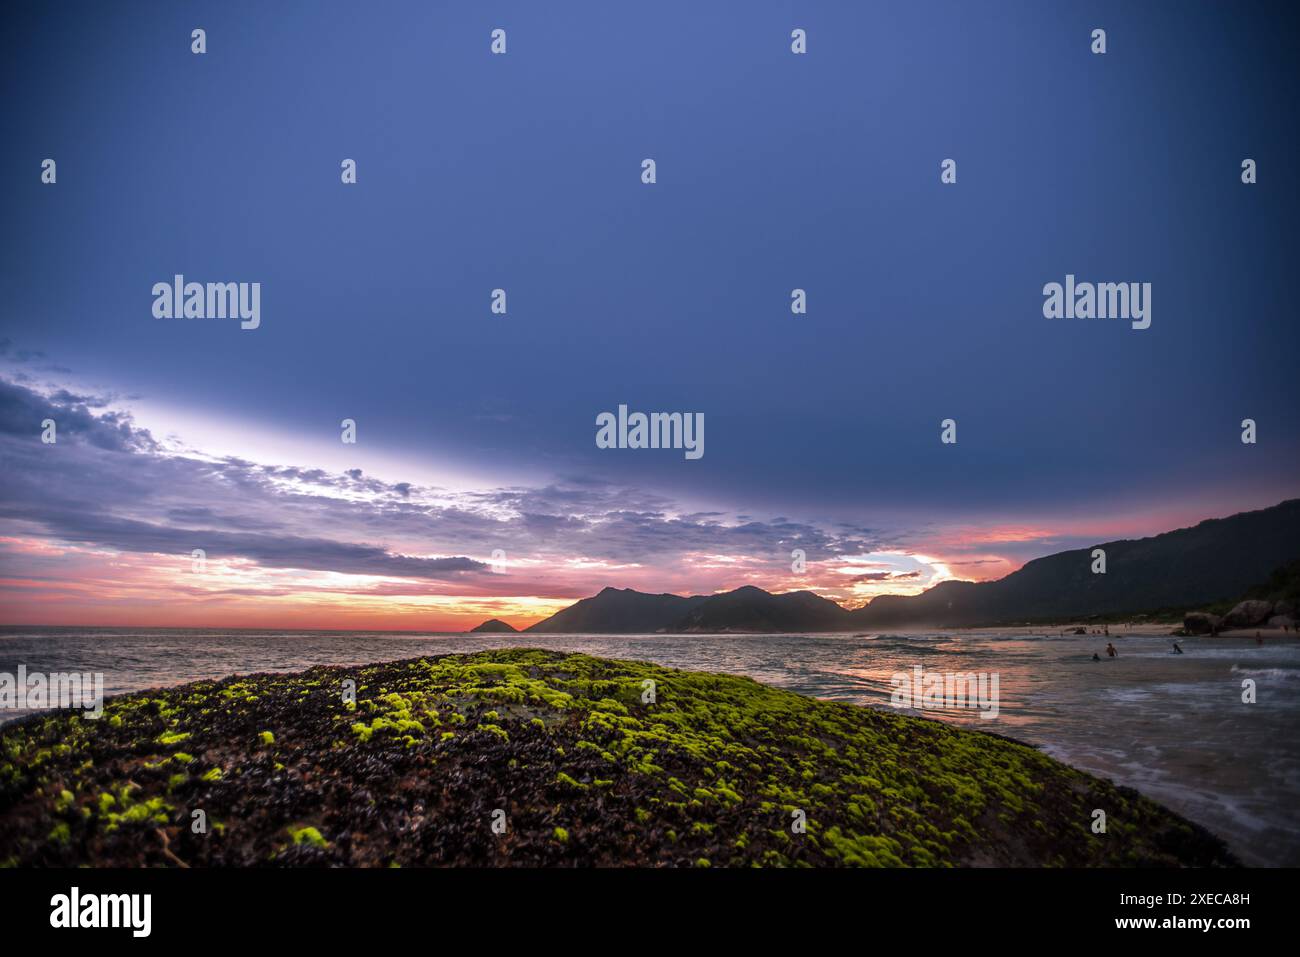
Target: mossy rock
(720, 771)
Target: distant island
(1209, 567)
(495, 625)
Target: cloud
(22, 410)
(885, 576)
(107, 483)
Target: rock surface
(1201, 623)
(1248, 614)
(577, 760)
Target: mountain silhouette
(619, 611)
(1216, 560)
(494, 625)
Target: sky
(523, 172)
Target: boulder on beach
(1286, 608)
(1284, 622)
(1248, 614)
(585, 760)
(1200, 623)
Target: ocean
(1172, 726)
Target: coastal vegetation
(538, 758)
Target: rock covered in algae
(537, 758)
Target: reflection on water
(1173, 726)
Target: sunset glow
(291, 544)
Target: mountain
(1214, 561)
(494, 625)
(619, 611)
(752, 609)
(933, 606)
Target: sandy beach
(1134, 630)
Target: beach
(1163, 629)
(1172, 726)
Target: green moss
(152, 811)
(308, 835)
(717, 765)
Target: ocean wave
(1285, 674)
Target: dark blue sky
(775, 171)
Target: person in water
(1096, 657)
(1110, 651)
(1177, 650)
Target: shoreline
(586, 771)
(1142, 630)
